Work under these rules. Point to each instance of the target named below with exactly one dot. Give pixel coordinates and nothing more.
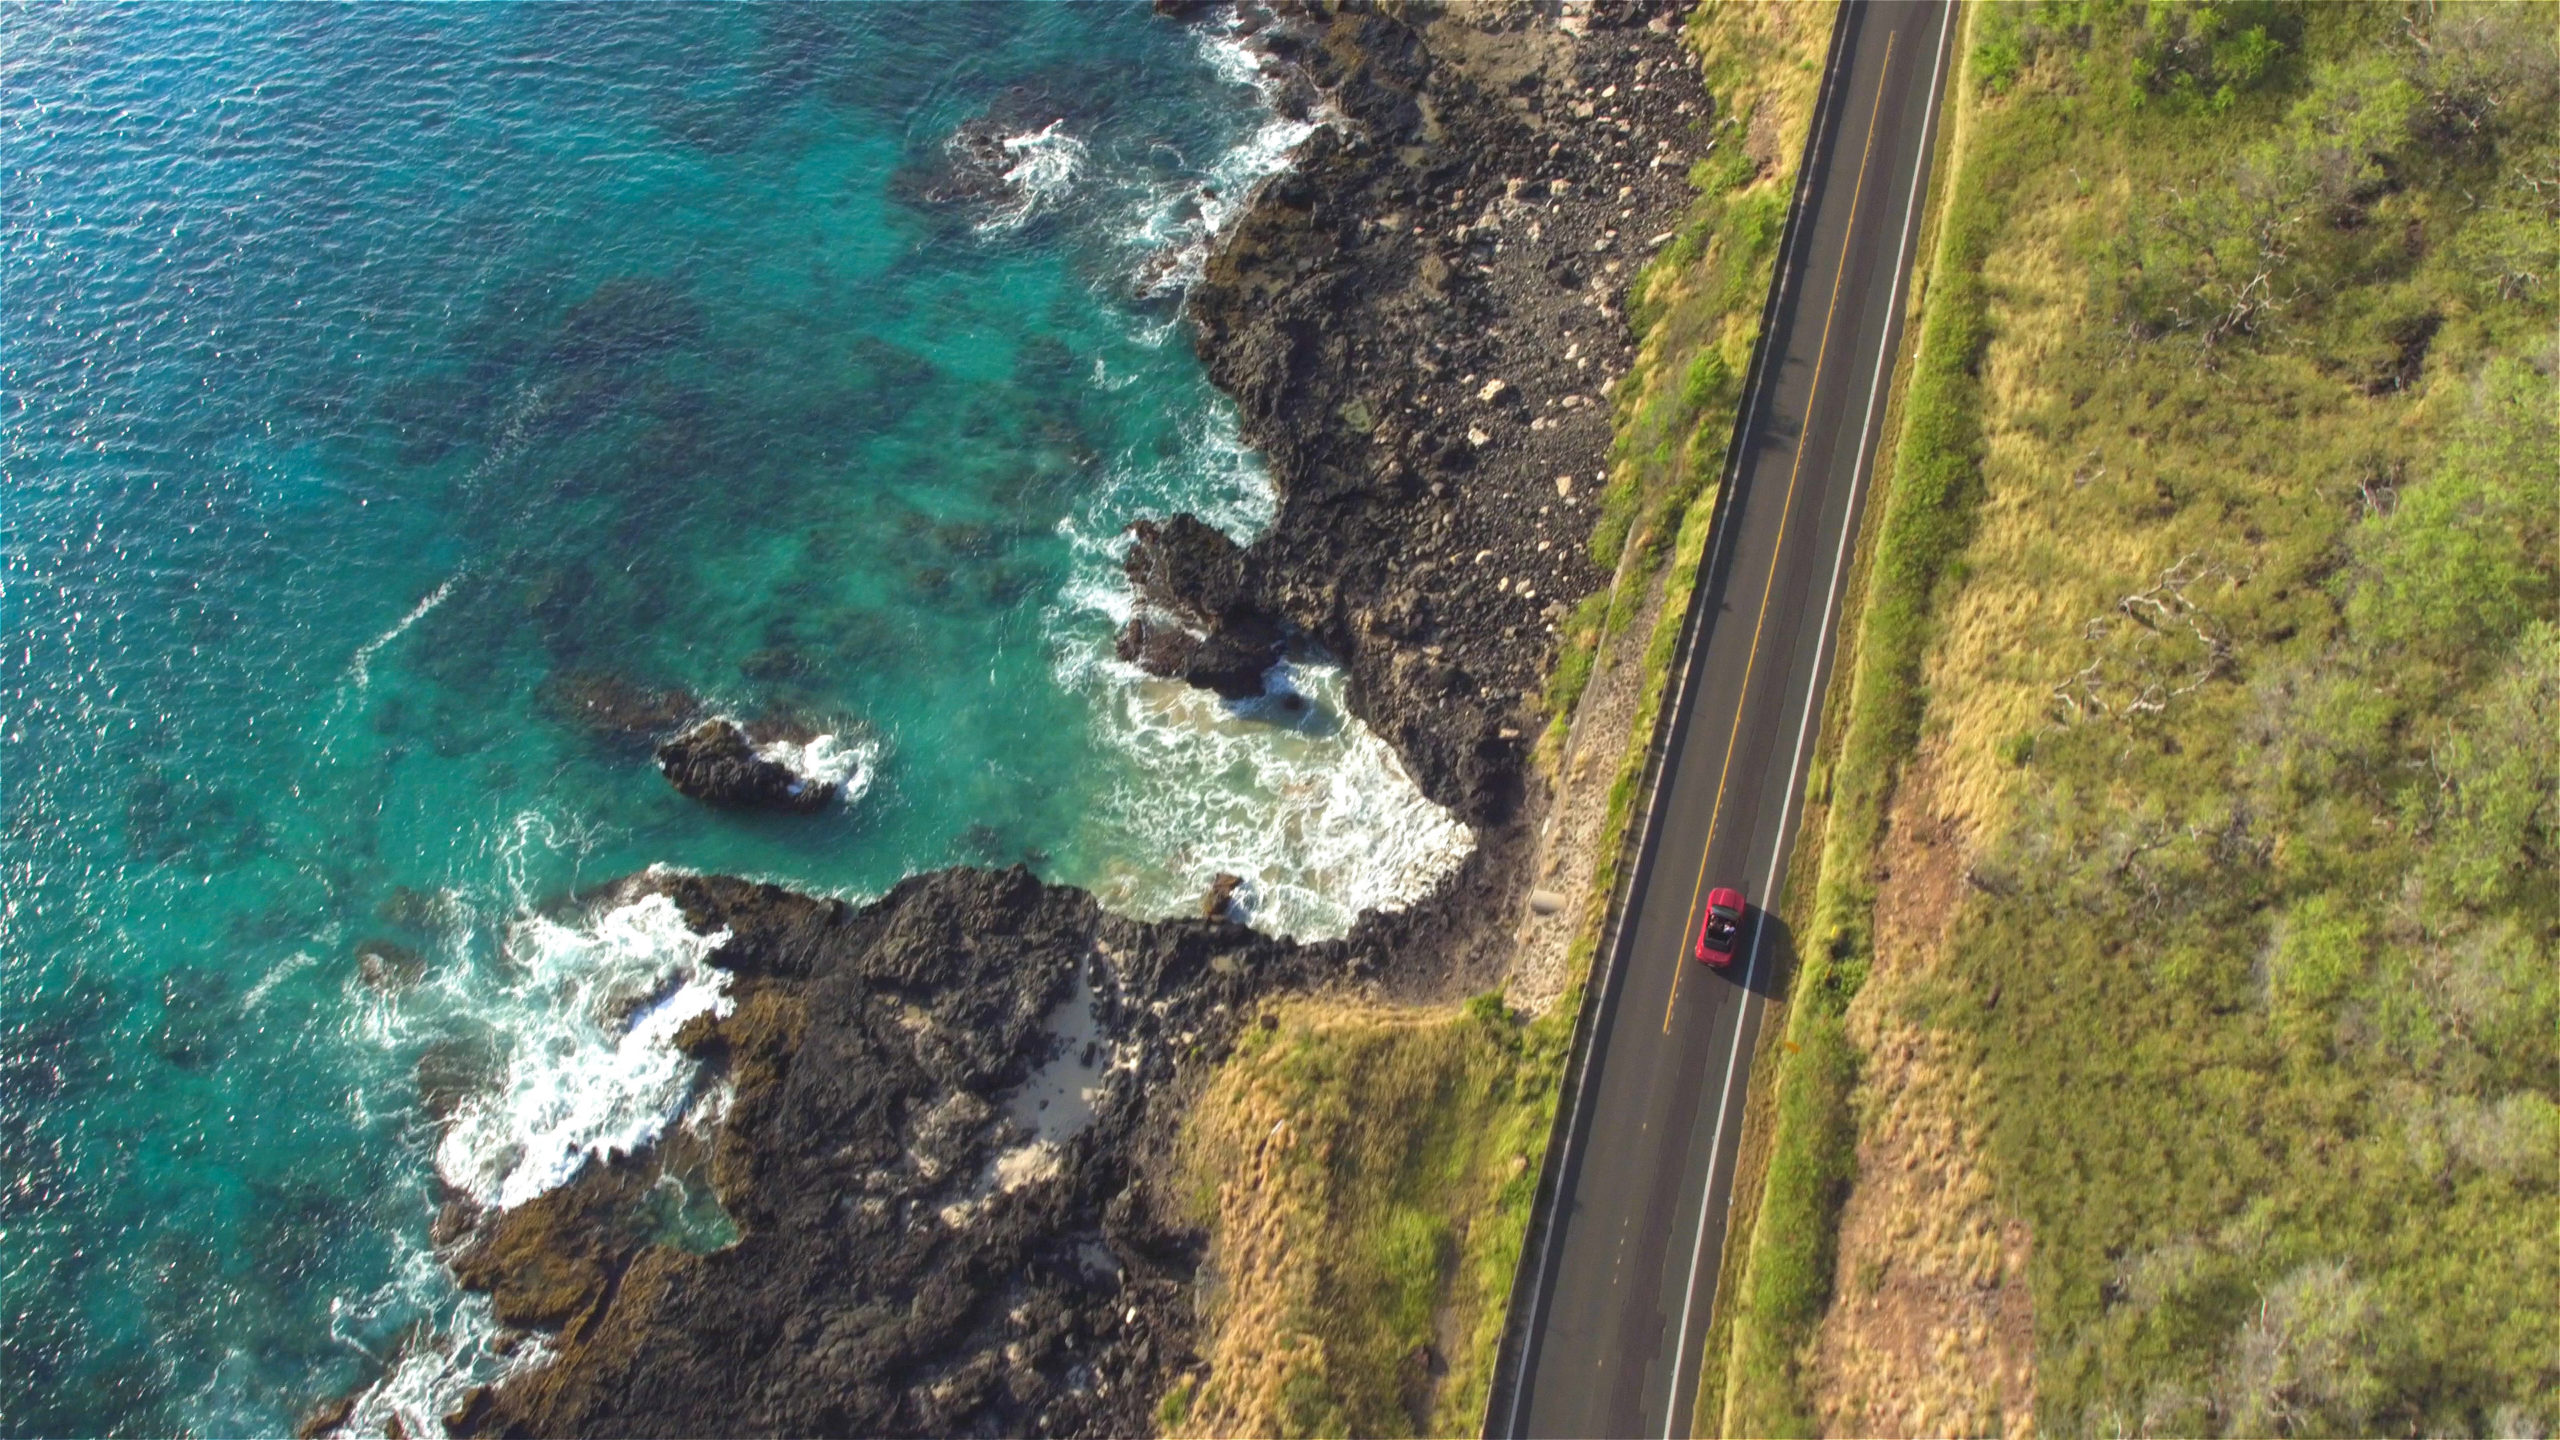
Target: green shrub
(2262, 980)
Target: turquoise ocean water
(379, 387)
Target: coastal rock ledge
(919, 1250)
(1418, 327)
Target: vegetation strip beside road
(2211, 621)
(1925, 499)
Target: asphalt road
(1623, 1286)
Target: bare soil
(1932, 1325)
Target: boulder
(714, 763)
(1189, 569)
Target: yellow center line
(1786, 511)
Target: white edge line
(1804, 732)
(1688, 662)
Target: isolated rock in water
(970, 169)
(714, 763)
(1221, 898)
(388, 964)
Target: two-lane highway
(1620, 1287)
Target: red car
(1722, 930)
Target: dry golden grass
(1365, 1171)
(1931, 1330)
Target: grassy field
(2218, 590)
(1368, 1174)
(1366, 1171)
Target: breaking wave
(586, 1022)
(1291, 793)
(1045, 165)
(429, 1364)
(829, 759)
(1177, 225)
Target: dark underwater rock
(716, 764)
(615, 710)
(388, 965)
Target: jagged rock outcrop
(715, 763)
(1216, 638)
(1417, 326)
(911, 1258)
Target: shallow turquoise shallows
(389, 393)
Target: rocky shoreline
(1418, 327)
(915, 1254)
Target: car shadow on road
(1773, 969)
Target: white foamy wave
(526, 852)
(1214, 475)
(1179, 225)
(828, 760)
(360, 669)
(1264, 153)
(436, 1344)
(587, 1022)
(1309, 806)
(1045, 165)
(293, 965)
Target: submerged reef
(1418, 326)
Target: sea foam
(828, 760)
(1288, 791)
(1178, 227)
(587, 1022)
(1045, 165)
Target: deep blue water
(383, 387)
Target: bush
(2208, 53)
(2458, 565)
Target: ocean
(406, 411)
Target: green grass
(2259, 957)
(1402, 1197)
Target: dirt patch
(1576, 825)
(1932, 1324)
(1919, 873)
